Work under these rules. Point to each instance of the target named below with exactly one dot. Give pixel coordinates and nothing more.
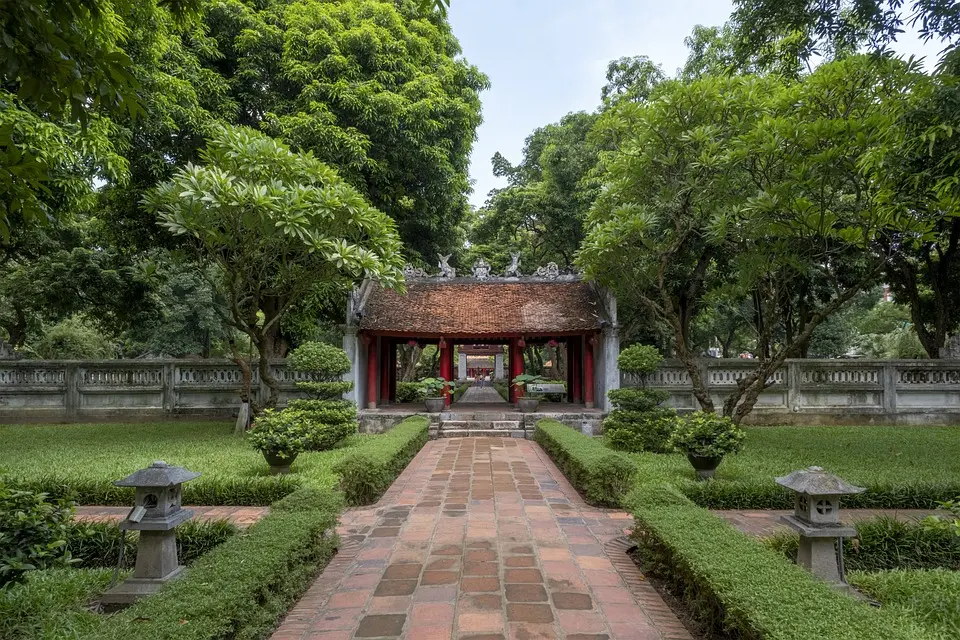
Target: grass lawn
(896, 461)
(930, 597)
(52, 603)
(99, 452)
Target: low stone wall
(39, 390)
(809, 392)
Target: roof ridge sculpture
(482, 271)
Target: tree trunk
(246, 383)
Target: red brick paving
(482, 539)
(241, 516)
(765, 523)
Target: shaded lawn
(889, 458)
(929, 596)
(112, 451)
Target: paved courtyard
(481, 395)
(482, 539)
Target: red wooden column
(371, 342)
(392, 394)
(516, 366)
(384, 371)
(575, 368)
(588, 372)
(445, 366)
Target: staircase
(495, 424)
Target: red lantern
(521, 343)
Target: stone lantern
(816, 516)
(156, 512)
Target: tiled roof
(438, 308)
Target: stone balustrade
(32, 390)
(802, 392)
(807, 391)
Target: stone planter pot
(434, 405)
(705, 466)
(528, 404)
(279, 464)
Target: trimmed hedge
(242, 588)
(766, 494)
(369, 468)
(602, 476)
(733, 583)
(210, 491)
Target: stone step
(481, 424)
(482, 433)
(486, 416)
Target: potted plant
(433, 389)
(706, 438)
(280, 436)
(528, 402)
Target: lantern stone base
(817, 552)
(132, 589)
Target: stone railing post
(793, 385)
(889, 388)
(169, 393)
(71, 389)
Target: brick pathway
(481, 539)
(241, 516)
(766, 523)
(481, 395)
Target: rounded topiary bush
(638, 422)
(328, 421)
(33, 532)
(707, 434)
(323, 361)
(325, 364)
(639, 431)
(639, 359)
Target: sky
(547, 58)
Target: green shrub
(97, 544)
(408, 392)
(434, 387)
(310, 499)
(324, 361)
(630, 399)
(325, 364)
(325, 390)
(33, 532)
(927, 596)
(887, 543)
(638, 431)
(734, 585)
(369, 469)
(74, 339)
(602, 476)
(639, 359)
(52, 603)
(242, 588)
(284, 433)
(328, 421)
(707, 434)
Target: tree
(541, 213)
(63, 70)
(832, 28)
(375, 89)
(754, 185)
(275, 223)
(631, 78)
(918, 166)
